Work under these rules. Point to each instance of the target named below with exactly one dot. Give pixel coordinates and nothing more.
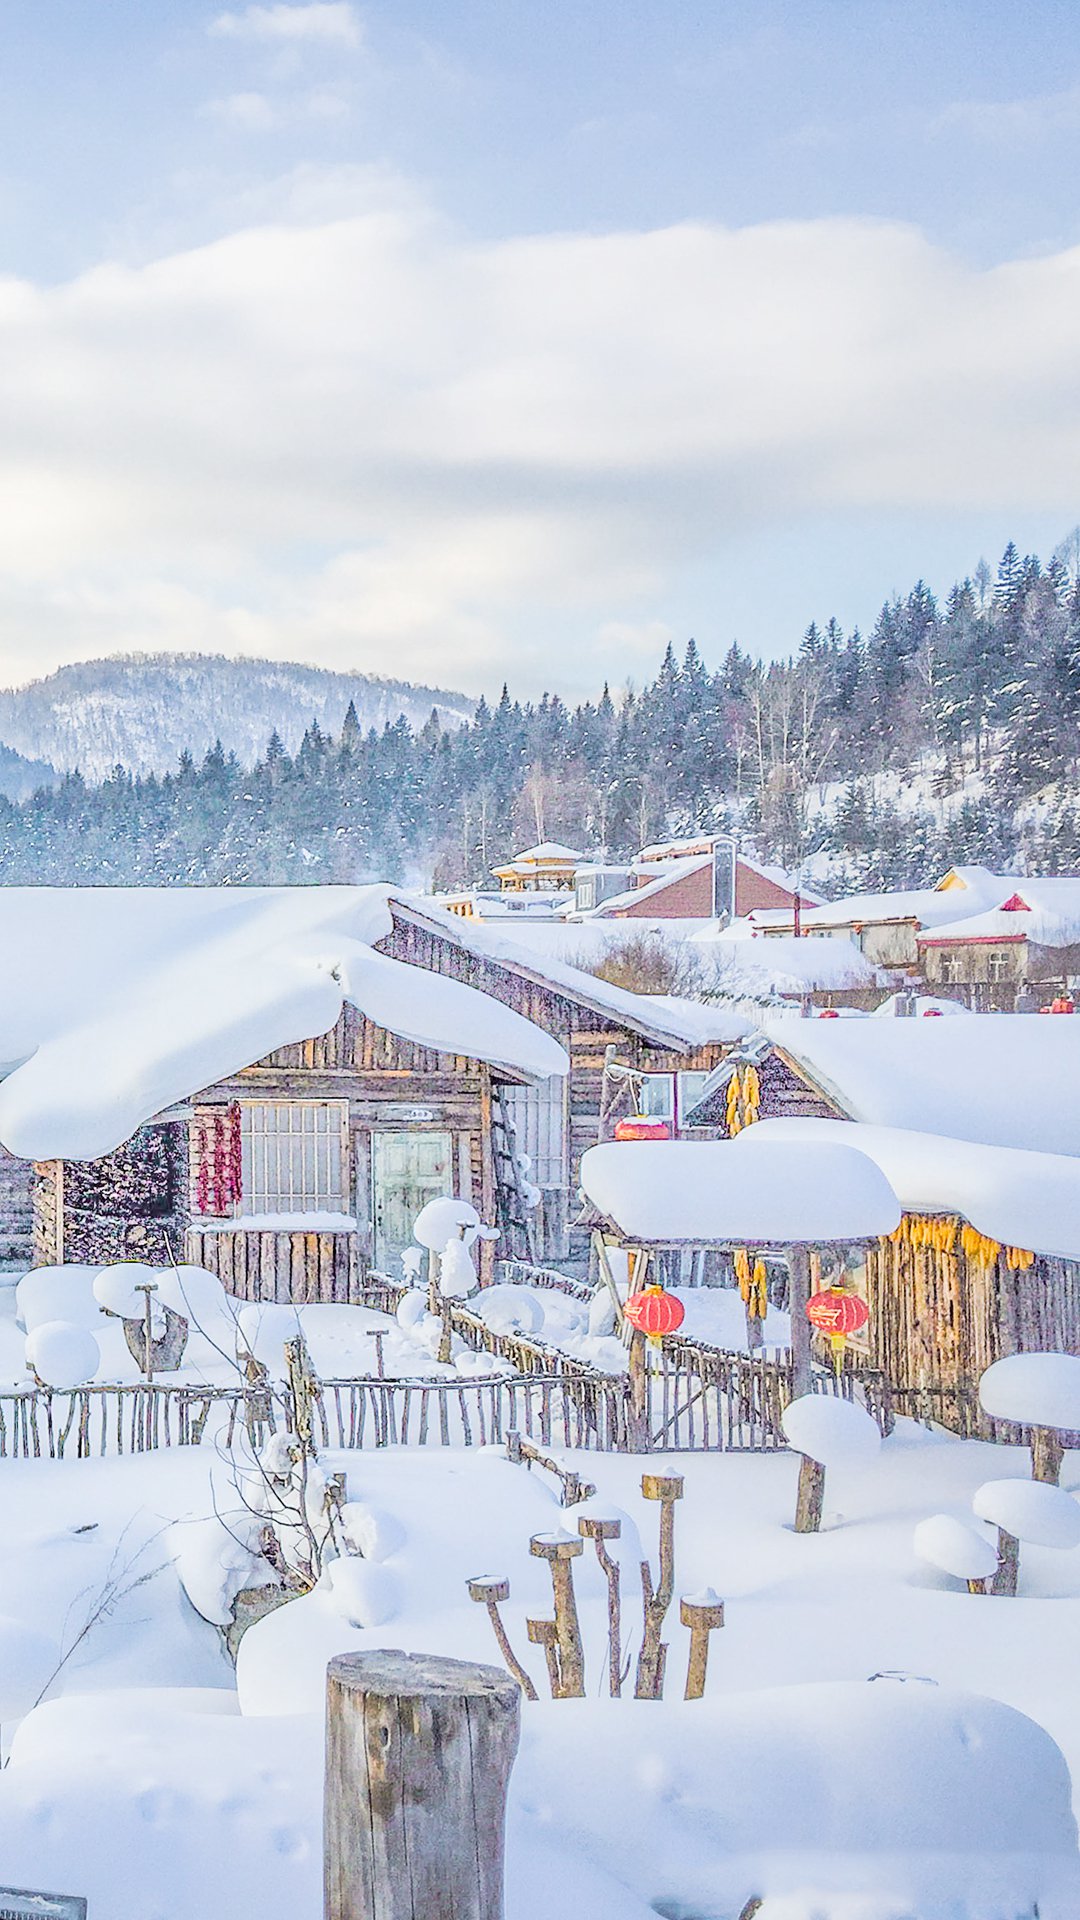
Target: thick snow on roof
(1017, 1197)
(774, 1192)
(668, 874)
(787, 965)
(1005, 1079)
(662, 1019)
(546, 850)
(1045, 911)
(117, 1002)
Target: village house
(702, 877)
(886, 926)
(272, 1082)
(1029, 945)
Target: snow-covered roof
(663, 1020)
(670, 873)
(1004, 1079)
(532, 856)
(1044, 911)
(117, 1002)
(787, 965)
(774, 1193)
(1015, 1196)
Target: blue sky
(508, 339)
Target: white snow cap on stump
(442, 1220)
(956, 1547)
(1034, 1511)
(1034, 1390)
(116, 1288)
(830, 1430)
(62, 1355)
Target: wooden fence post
(418, 1757)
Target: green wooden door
(407, 1170)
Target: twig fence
(696, 1398)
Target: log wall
(938, 1320)
(293, 1268)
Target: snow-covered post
(558, 1549)
(418, 1757)
(1040, 1391)
(955, 1547)
(1025, 1510)
(827, 1431)
(702, 1613)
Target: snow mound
(411, 1309)
(1040, 1514)
(373, 1532)
(62, 1355)
(509, 1309)
(956, 1547)
(215, 1558)
(830, 1430)
(28, 1661)
(1034, 1389)
(361, 1593)
(58, 1293)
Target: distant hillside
(19, 778)
(143, 710)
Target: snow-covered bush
(62, 1355)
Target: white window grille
(997, 966)
(295, 1156)
(538, 1115)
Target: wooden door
(407, 1170)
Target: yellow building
(547, 868)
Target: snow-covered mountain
(142, 710)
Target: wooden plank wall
(939, 1320)
(292, 1268)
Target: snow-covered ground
(164, 1787)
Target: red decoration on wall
(654, 1313)
(219, 1164)
(639, 1127)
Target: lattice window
(295, 1156)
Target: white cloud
(256, 113)
(367, 439)
(1032, 117)
(252, 111)
(326, 22)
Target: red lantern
(836, 1314)
(640, 1127)
(654, 1313)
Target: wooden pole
(599, 1530)
(702, 1615)
(649, 1680)
(799, 1294)
(1047, 1454)
(1005, 1579)
(559, 1549)
(418, 1757)
(810, 1498)
(489, 1590)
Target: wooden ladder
(515, 1220)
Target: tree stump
(418, 1757)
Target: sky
(510, 339)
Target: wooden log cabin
(985, 1262)
(293, 1176)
